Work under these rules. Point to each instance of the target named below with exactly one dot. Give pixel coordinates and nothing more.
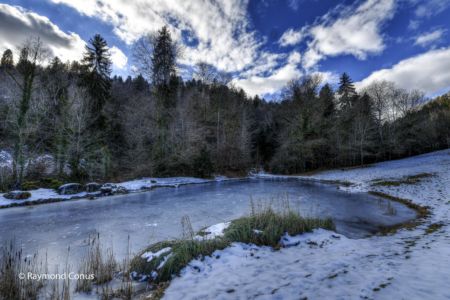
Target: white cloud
(294, 58)
(291, 37)
(328, 77)
(294, 4)
(220, 34)
(264, 85)
(118, 58)
(429, 37)
(18, 24)
(355, 32)
(429, 72)
(431, 8)
(219, 29)
(266, 63)
(413, 24)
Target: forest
(75, 121)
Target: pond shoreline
(96, 195)
(422, 211)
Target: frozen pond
(155, 215)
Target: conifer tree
(163, 58)
(97, 61)
(7, 59)
(346, 90)
(96, 78)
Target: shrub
(50, 183)
(30, 185)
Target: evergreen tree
(164, 79)
(163, 58)
(96, 78)
(7, 59)
(346, 90)
(97, 61)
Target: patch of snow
(148, 183)
(411, 264)
(163, 262)
(213, 231)
(151, 255)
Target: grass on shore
(99, 262)
(413, 179)
(14, 264)
(264, 226)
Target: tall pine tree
(164, 81)
(97, 61)
(96, 78)
(163, 58)
(346, 91)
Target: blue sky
(264, 44)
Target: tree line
(73, 120)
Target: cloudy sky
(263, 43)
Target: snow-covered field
(132, 186)
(410, 264)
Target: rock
(112, 189)
(153, 181)
(121, 190)
(92, 187)
(17, 195)
(70, 189)
(108, 188)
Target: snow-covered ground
(410, 264)
(131, 187)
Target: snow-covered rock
(92, 187)
(70, 189)
(17, 195)
(112, 189)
